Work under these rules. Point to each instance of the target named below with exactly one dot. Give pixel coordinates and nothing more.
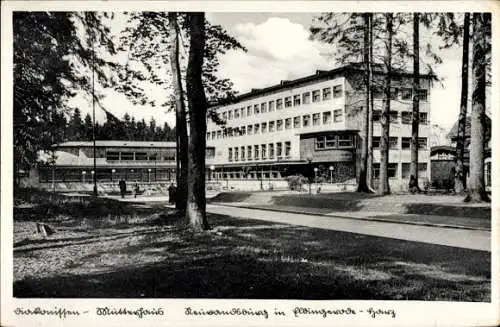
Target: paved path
(462, 238)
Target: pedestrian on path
(123, 187)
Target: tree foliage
(51, 62)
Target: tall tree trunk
(369, 163)
(197, 103)
(383, 187)
(180, 117)
(415, 117)
(362, 178)
(462, 117)
(476, 189)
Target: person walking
(123, 187)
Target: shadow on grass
(244, 258)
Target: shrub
(295, 182)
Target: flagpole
(93, 115)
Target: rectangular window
(263, 152)
(320, 143)
(288, 102)
(153, 156)
(288, 123)
(141, 156)
(394, 93)
(327, 117)
(224, 115)
(263, 127)
(316, 119)
(393, 143)
(337, 115)
(422, 142)
(296, 122)
(346, 141)
(288, 149)
(263, 107)
(406, 143)
(306, 98)
(316, 96)
(279, 149)
(243, 130)
(230, 132)
(242, 153)
(406, 94)
(337, 91)
(256, 109)
(230, 154)
(279, 104)
(236, 154)
(331, 142)
(271, 105)
(394, 116)
(256, 152)
(236, 113)
(406, 117)
(249, 129)
(423, 118)
(296, 100)
(213, 135)
(230, 115)
(377, 115)
(271, 126)
(242, 111)
(279, 124)
(376, 142)
(271, 150)
(327, 93)
(208, 136)
(112, 156)
(249, 152)
(256, 128)
(422, 169)
(422, 95)
(127, 156)
(306, 120)
(405, 170)
(249, 111)
(392, 170)
(219, 134)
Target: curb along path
(456, 237)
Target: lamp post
(113, 171)
(83, 176)
(309, 161)
(93, 180)
(149, 175)
(331, 174)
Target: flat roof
(359, 67)
(114, 143)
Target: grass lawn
(132, 256)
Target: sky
(279, 48)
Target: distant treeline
(126, 129)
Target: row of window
(334, 142)
(308, 120)
(392, 170)
(405, 94)
(137, 156)
(260, 151)
(296, 100)
(406, 117)
(394, 143)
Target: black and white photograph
(318, 154)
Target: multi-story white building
(314, 122)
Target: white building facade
(311, 125)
